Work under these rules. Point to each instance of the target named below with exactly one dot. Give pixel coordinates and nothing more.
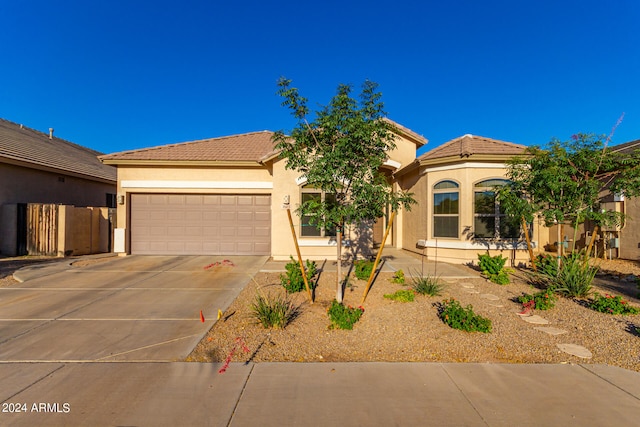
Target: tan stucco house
(456, 216)
(225, 196)
(40, 168)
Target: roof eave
(131, 162)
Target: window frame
(324, 232)
(452, 188)
(497, 215)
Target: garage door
(200, 224)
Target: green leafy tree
(340, 151)
(565, 181)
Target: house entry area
(200, 224)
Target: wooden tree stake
(375, 263)
(295, 240)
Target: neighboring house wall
(630, 234)
(36, 168)
(29, 185)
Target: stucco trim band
(467, 165)
(197, 184)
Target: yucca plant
(573, 279)
(426, 284)
(274, 311)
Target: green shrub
(273, 312)
(426, 285)
(363, 269)
(452, 313)
(612, 305)
(293, 280)
(544, 300)
(343, 317)
(493, 268)
(403, 295)
(574, 278)
(398, 277)
(547, 265)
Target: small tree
(340, 151)
(564, 182)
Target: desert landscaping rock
(535, 319)
(551, 330)
(576, 350)
(413, 332)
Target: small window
(446, 209)
(309, 227)
(489, 220)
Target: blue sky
(119, 75)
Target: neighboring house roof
(468, 146)
(248, 147)
(627, 147)
(31, 148)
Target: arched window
(489, 220)
(446, 211)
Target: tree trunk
(339, 270)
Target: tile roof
(250, 147)
(418, 139)
(627, 147)
(22, 144)
(469, 145)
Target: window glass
(489, 219)
(445, 203)
(446, 209)
(309, 227)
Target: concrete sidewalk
(318, 394)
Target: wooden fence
(42, 229)
(61, 230)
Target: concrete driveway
(136, 308)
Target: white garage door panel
(207, 224)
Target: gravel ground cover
(412, 331)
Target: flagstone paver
(490, 297)
(575, 350)
(535, 319)
(551, 330)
